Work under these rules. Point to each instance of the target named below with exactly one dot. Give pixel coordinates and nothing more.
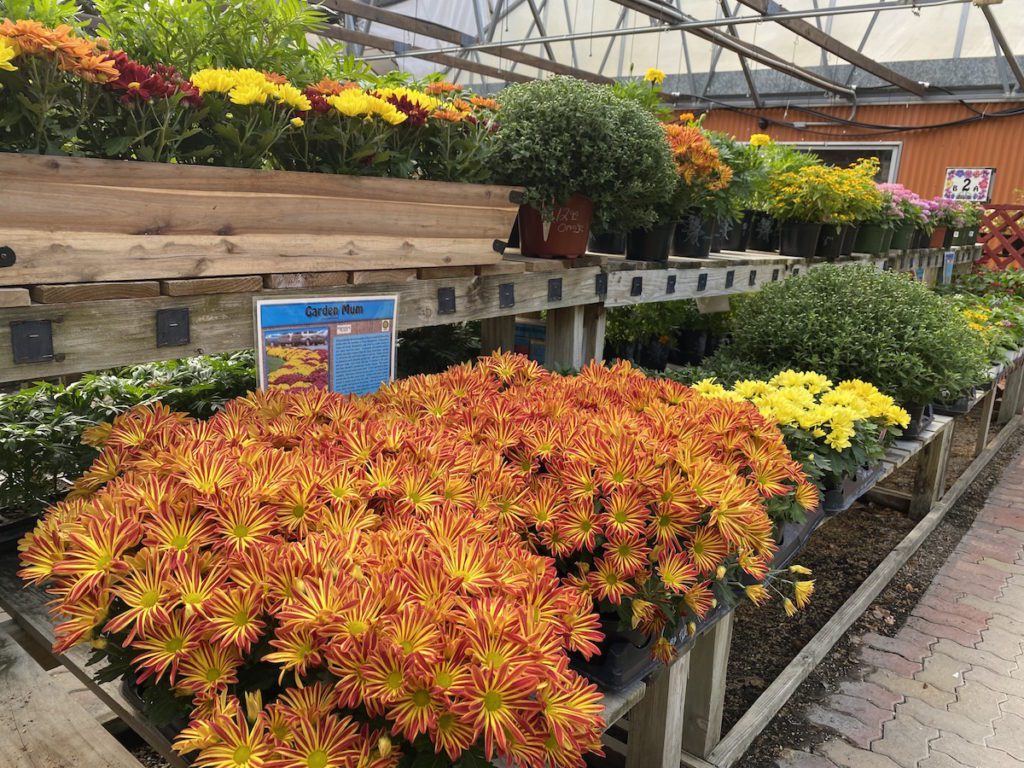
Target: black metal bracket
(32, 341)
(517, 197)
(499, 246)
(796, 271)
(601, 283)
(670, 284)
(730, 276)
(446, 301)
(506, 295)
(752, 280)
(702, 281)
(555, 289)
(173, 327)
(636, 287)
(7, 256)
(775, 275)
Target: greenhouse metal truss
(479, 45)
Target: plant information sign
(344, 344)
(974, 184)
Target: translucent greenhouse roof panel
(730, 50)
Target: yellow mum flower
(290, 96)
(419, 98)
(760, 139)
(802, 591)
(8, 50)
(655, 76)
(214, 80)
(298, 122)
(350, 102)
(248, 94)
(756, 593)
(803, 571)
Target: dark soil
(885, 616)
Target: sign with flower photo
(973, 184)
(346, 345)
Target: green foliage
(563, 136)
(724, 367)
(52, 13)
(41, 427)
(648, 322)
(644, 93)
(268, 35)
(749, 177)
(436, 348)
(859, 323)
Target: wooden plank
(42, 727)
(14, 297)
(306, 280)
(888, 497)
(1012, 395)
(51, 257)
(30, 205)
(503, 267)
(441, 273)
(617, 704)
(705, 689)
(595, 318)
(372, 276)
(132, 174)
(58, 294)
(656, 723)
(754, 721)
(207, 286)
(28, 607)
(83, 342)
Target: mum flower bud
(800, 569)
(720, 572)
(384, 746)
(790, 608)
(756, 593)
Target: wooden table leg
(656, 723)
(563, 341)
(1010, 406)
(705, 689)
(930, 470)
(497, 333)
(985, 420)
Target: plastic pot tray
(840, 499)
(958, 407)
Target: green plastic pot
(873, 239)
(902, 237)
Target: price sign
(974, 184)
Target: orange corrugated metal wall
(992, 142)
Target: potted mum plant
(968, 221)
(909, 211)
(586, 156)
(775, 159)
(701, 175)
(859, 323)
(733, 205)
(802, 201)
(858, 197)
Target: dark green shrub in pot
(574, 144)
(860, 323)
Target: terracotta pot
(566, 236)
(941, 238)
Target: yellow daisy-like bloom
(655, 76)
(289, 95)
(247, 94)
(802, 591)
(419, 98)
(298, 122)
(760, 139)
(214, 80)
(8, 50)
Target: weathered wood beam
(669, 15)
(836, 47)
(387, 44)
(449, 35)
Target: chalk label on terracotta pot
(568, 221)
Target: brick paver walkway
(948, 690)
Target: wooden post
(930, 470)
(594, 316)
(985, 420)
(656, 723)
(563, 345)
(1010, 406)
(497, 333)
(705, 690)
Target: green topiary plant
(562, 136)
(857, 322)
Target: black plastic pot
(690, 347)
(840, 498)
(693, 236)
(956, 407)
(792, 537)
(610, 242)
(650, 244)
(966, 236)
(764, 232)
(921, 239)
(624, 657)
(652, 354)
(830, 242)
(513, 236)
(132, 691)
(849, 238)
(733, 235)
(799, 238)
(873, 239)
(920, 419)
